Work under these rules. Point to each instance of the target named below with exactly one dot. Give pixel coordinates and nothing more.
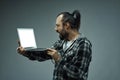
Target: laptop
(27, 40)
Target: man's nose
(56, 29)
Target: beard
(63, 35)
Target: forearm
(36, 55)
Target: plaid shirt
(74, 62)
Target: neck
(73, 35)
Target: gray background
(100, 23)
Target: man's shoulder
(83, 40)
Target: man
(72, 53)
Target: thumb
(19, 44)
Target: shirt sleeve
(34, 55)
(37, 55)
(78, 66)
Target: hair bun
(77, 17)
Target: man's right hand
(20, 49)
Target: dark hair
(73, 19)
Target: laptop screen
(27, 37)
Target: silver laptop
(27, 39)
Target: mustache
(57, 31)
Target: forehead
(59, 18)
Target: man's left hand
(54, 54)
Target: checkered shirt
(74, 62)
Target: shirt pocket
(70, 55)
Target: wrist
(56, 57)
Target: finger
(50, 53)
(19, 43)
(18, 49)
(49, 49)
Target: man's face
(60, 28)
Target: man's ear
(67, 26)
